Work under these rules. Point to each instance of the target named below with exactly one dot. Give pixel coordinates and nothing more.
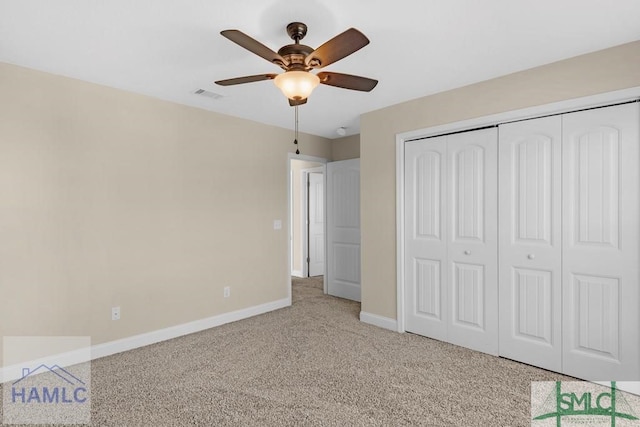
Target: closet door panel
(601, 252)
(531, 241)
(472, 247)
(425, 241)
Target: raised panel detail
(468, 187)
(468, 295)
(427, 179)
(532, 304)
(597, 308)
(347, 262)
(318, 203)
(346, 188)
(596, 189)
(317, 248)
(428, 287)
(532, 191)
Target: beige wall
(345, 148)
(599, 72)
(111, 198)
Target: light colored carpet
(310, 364)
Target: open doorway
(307, 217)
(313, 214)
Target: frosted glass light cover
(296, 84)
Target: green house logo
(583, 404)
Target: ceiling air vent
(208, 94)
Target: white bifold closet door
(451, 239)
(426, 238)
(600, 256)
(530, 181)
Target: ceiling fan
(297, 60)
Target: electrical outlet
(227, 291)
(115, 313)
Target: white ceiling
(169, 48)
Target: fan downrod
(297, 31)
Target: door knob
(531, 256)
(467, 252)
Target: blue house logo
(69, 388)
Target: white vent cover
(208, 94)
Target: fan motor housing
(295, 53)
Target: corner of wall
(345, 148)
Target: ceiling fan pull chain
(295, 141)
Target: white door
(316, 224)
(600, 254)
(473, 239)
(343, 229)
(530, 184)
(451, 266)
(426, 272)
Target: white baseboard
(628, 386)
(379, 321)
(10, 373)
(70, 358)
(296, 273)
(118, 346)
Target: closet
(530, 211)
(524, 241)
(451, 239)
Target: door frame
(561, 107)
(304, 214)
(289, 228)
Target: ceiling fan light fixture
(297, 85)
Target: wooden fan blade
(246, 79)
(253, 45)
(342, 45)
(294, 102)
(347, 81)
